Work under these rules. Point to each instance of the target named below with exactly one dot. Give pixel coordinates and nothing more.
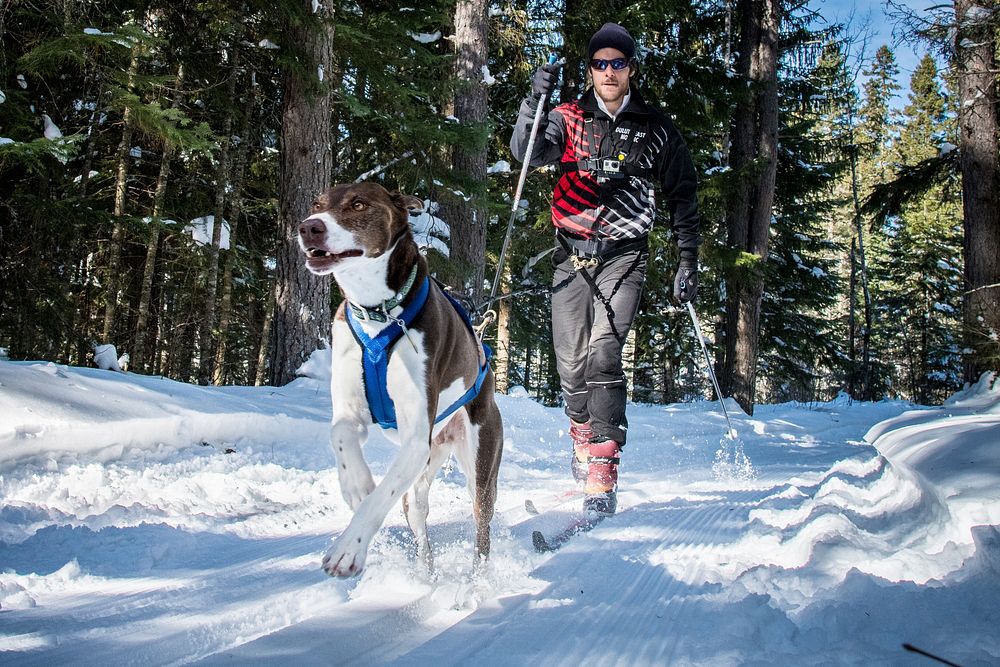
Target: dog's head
(353, 220)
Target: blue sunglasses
(601, 64)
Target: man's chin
(610, 93)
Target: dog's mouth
(320, 256)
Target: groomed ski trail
(136, 548)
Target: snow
(945, 148)
(50, 130)
(499, 167)
(146, 521)
(487, 77)
(92, 174)
(202, 228)
(425, 38)
(430, 231)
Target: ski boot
(581, 435)
(602, 477)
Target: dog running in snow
(404, 356)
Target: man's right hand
(545, 80)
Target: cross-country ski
(581, 524)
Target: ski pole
(731, 434)
(520, 186)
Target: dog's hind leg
(488, 454)
(416, 504)
(479, 457)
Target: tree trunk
(208, 333)
(139, 353)
(852, 296)
(467, 216)
(302, 300)
(975, 55)
(501, 359)
(226, 300)
(859, 231)
(754, 156)
(264, 353)
(113, 280)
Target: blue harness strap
(375, 358)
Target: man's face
(610, 85)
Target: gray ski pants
(588, 331)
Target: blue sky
(858, 14)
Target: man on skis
(612, 148)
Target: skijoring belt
(376, 350)
(588, 253)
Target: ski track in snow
(129, 536)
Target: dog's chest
(407, 385)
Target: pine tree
(872, 165)
(922, 265)
(801, 344)
(875, 119)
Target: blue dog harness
(376, 350)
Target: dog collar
(380, 313)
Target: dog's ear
(407, 202)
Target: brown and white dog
(360, 233)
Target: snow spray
(731, 462)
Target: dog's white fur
(423, 446)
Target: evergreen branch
(379, 169)
(887, 200)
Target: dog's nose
(311, 229)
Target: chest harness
(376, 349)
(611, 167)
(620, 160)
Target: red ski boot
(581, 435)
(602, 477)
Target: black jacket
(587, 203)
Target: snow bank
(54, 413)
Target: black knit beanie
(614, 36)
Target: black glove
(545, 80)
(686, 280)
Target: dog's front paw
(345, 560)
(356, 487)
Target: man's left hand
(686, 281)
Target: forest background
(851, 244)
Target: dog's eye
(359, 205)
